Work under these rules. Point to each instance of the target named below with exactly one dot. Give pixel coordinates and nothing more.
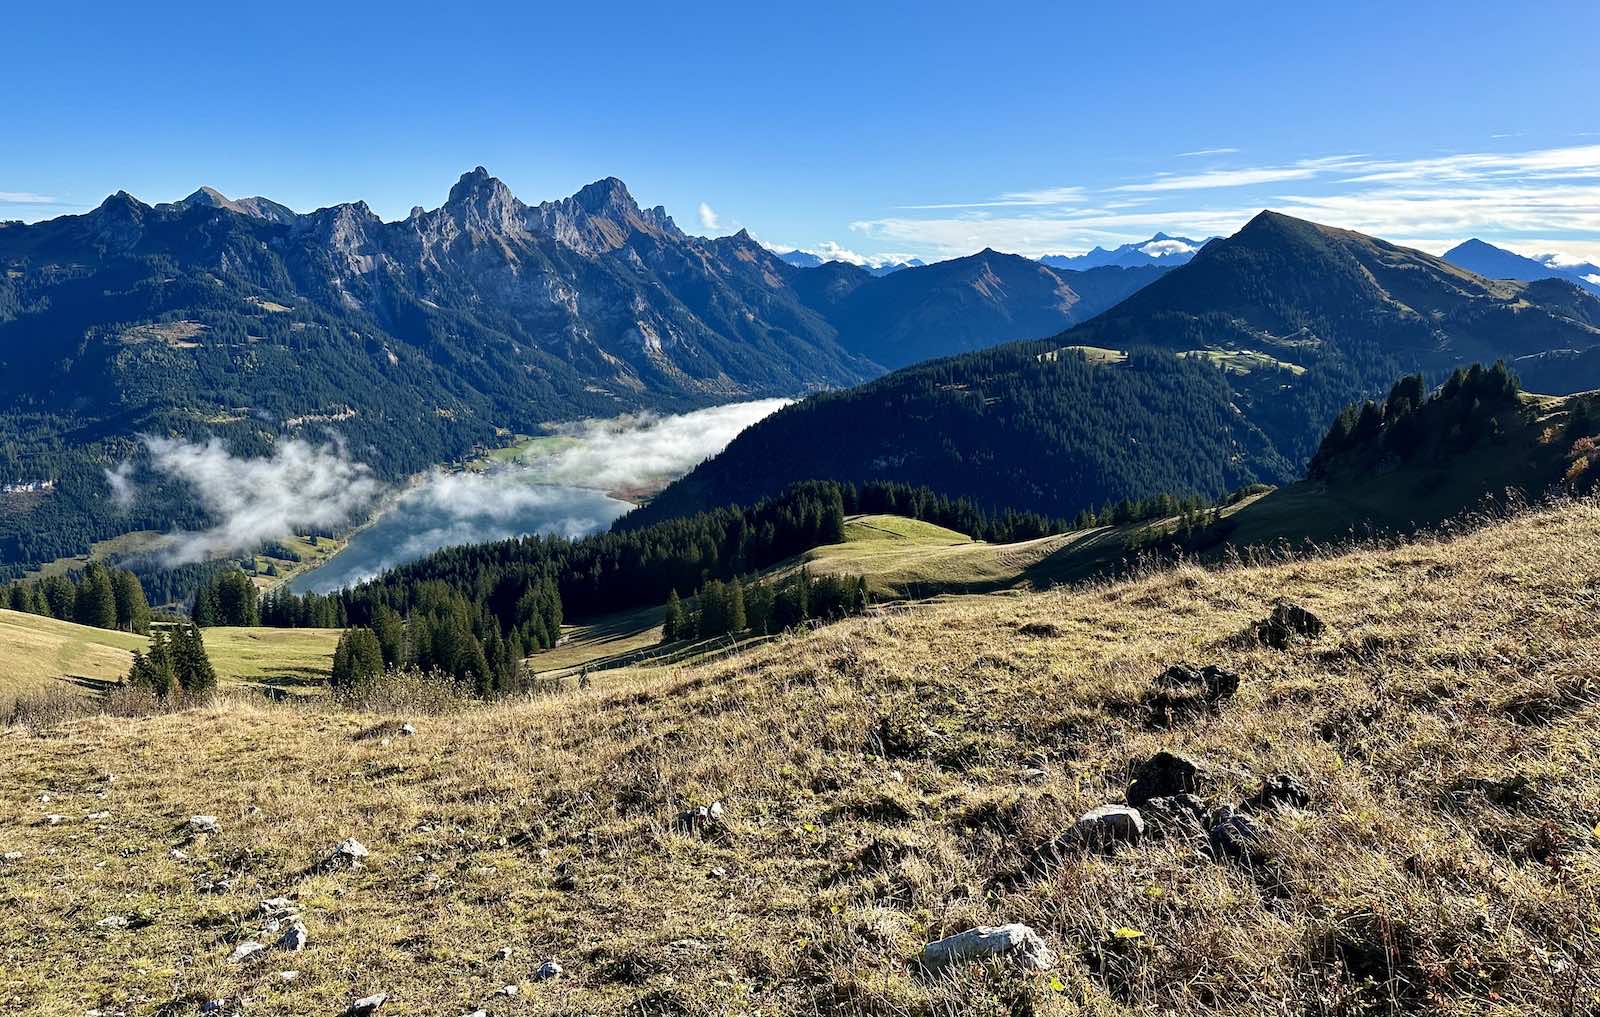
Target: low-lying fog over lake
(568, 484)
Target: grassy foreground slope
(879, 780)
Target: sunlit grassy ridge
(873, 774)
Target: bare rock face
(1013, 942)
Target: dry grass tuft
(884, 780)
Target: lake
(568, 487)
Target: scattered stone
(718, 872)
(94, 817)
(204, 824)
(1237, 838)
(114, 922)
(213, 1005)
(703, 819)
(504, 953)
(177, 855)
(293, 938)
(44, 799)
(55, 819)
(408, 729)
(507, 990)
(347, 855)
(12, 856)
(367, 1005)
(1163, 774)
(549, 969)
(278, 907)
(1186, 692)
(1287, 622)
(1175, 814)
(1016, 941)
(1034, 775)
(244, 951)
(1279, 792)
(478, 1013)
(288, 976)
(1103, 828)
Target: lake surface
(428, 518)
(549, 488)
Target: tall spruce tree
(96, 600)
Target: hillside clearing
(883, 778)
(38, 653)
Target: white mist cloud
(25, 198)
(709, 217)
(643, 451)
(297, 488)
(1164, 248)
(123, 489)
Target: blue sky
(879, 129)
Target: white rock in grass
(507, 990)
(367, 1005)
(349, 852)
(55, 819)
(504, 953)
(549, 969)
(12, 856)
(288, 976)
(114, 922)
(204, 824)
(408, 729)
(293, 938)
(244, 951)
(1014, 941)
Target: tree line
(737, 606)
(102, 597)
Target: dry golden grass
(550, 825)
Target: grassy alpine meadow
(39, 654)
(884, 782)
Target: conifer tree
(735, 615)
(96, 599)
(672, 621)
(133, 610)
(195, 675)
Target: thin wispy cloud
(1045, 196)
(709, 218)
(1305, 169)
(1435, 202)
(27, 198)
(1199, 152)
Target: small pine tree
(195, 675)
(734, 612)
(672, 622)
(153, 670)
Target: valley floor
(882, 779)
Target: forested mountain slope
(1022, 425)
(1298, 320)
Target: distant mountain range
(1498, 263)
(959, 305)
(416, 340)
(1168, 252)
(805, 259)
(1223, 371)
